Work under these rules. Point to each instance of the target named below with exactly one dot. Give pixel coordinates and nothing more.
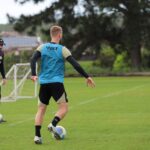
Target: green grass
(113, 116)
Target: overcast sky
(15, 9)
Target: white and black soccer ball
(61, 131)
(1, 117)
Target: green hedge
(88, 67)
(120, 65)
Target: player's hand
(90, 82)
(4, 81)
(34, 78)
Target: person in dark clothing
(2, 69)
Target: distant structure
(15, 41)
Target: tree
(136, 25)
(95, 23)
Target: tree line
(123, 24)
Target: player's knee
(42, 109)
(64, 107)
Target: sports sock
(37, 130)
(55, 121)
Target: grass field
(113, 116)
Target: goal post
(19, 85)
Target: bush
(107, 56)
(11, 58)
(121, 63)
(145, 58)
(88, 67)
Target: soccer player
(2, 70)
(51, 79)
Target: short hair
(55, 30)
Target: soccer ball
(61, 131)
(1, 117)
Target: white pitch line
(110, 95)
(123, 91)
(20, 122)
(88, 101)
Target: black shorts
(55, 90)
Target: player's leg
(60, 114)
(38, 123)
(40, 114)
(44, 97)
(60, 97)
(62, 110)
(39, 118)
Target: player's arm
(77, 66)
(36, 55)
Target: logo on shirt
(51, 48)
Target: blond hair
(55, 30)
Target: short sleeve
(39, 48)
(66, 52)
